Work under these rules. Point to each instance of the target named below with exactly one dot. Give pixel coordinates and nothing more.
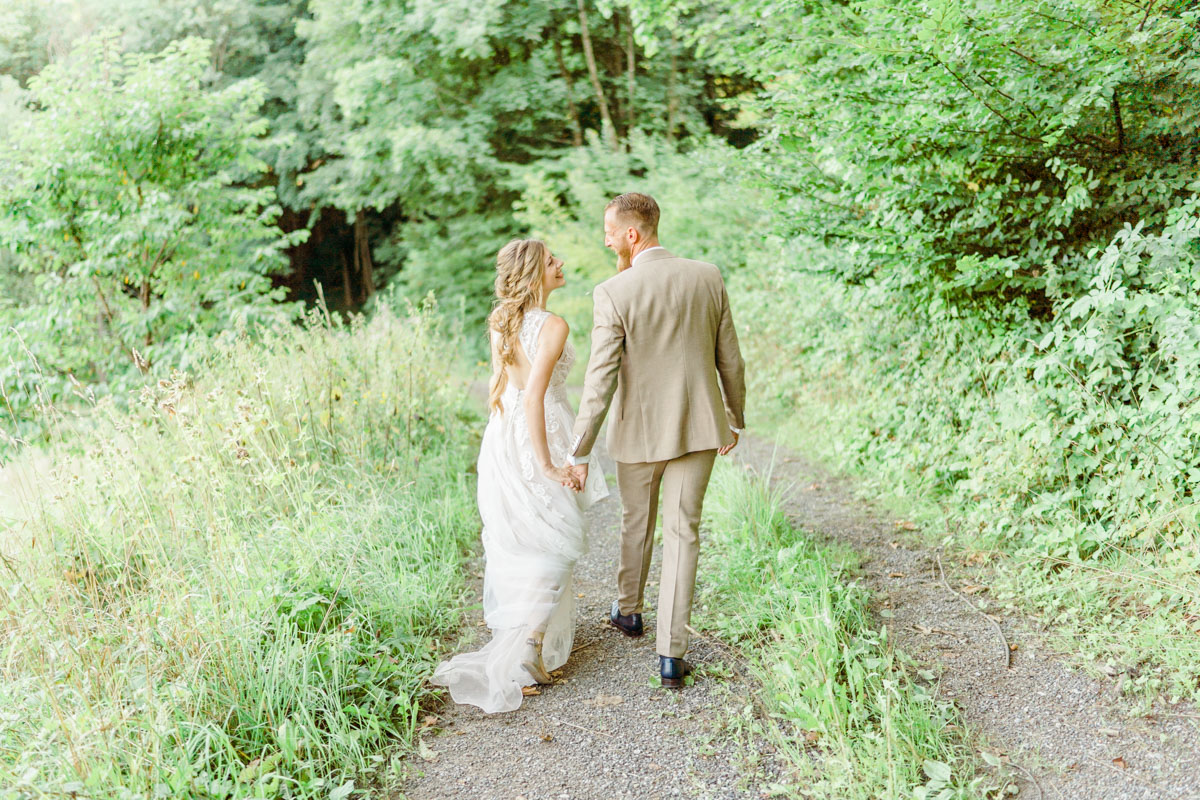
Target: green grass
(237, 588)
(935, 425)
(843, 709)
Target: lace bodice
(531, 328)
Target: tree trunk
(610, 133)
(362, 255)
(630, 77)
(572, 111)
(347, 287)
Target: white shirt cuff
(572, 460)
(738, 431)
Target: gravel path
(604, 731)
(1071, 732)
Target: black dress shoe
(628, 624)
(673, 671)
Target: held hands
(580, 472)
(563, 475)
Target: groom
(663, 342)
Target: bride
(532, 510)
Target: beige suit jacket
(663, 343)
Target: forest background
(962, 239)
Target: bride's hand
(561, 475)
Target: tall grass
(236, 588)
(844, 712)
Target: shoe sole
(672, 683)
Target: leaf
(342, 792)
(937, 771)
(1120, 762)
(425, 751)
(604, 700)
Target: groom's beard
(624, 262)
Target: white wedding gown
(534, 530)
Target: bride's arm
(551, 340)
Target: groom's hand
(725, 450)
(580, 471)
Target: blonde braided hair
(519, 287)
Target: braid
(519, 266)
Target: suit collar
(652, 254)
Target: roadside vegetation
(236, 587)
(851, 718)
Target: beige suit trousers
(683, 482)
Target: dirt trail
(1071, 732)
(604, 732)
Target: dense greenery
(235, 588)
(124, 194)
(394, 132)
(971, 153)
(962, 238)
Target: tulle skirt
(534, 530)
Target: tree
(128, 194)
(972, 154)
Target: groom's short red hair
(638, 210)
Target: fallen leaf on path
(1120, 762)
(425, 752)
(530, 691)
(813, 487)
(602, 700)
(907, 526)
(812, 736)
(547, 737)
(973, 588)
(895, 574)
(893, 545)
(921, 629)
(1013, 647)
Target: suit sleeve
(730, 366)
(600, 381)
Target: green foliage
(237, 588)
(971, 154)
(832, 685)
(126, 197)
(1071, 449)
(428, 114)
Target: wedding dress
(534, 530)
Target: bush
(1070, 446)
(127, 194)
